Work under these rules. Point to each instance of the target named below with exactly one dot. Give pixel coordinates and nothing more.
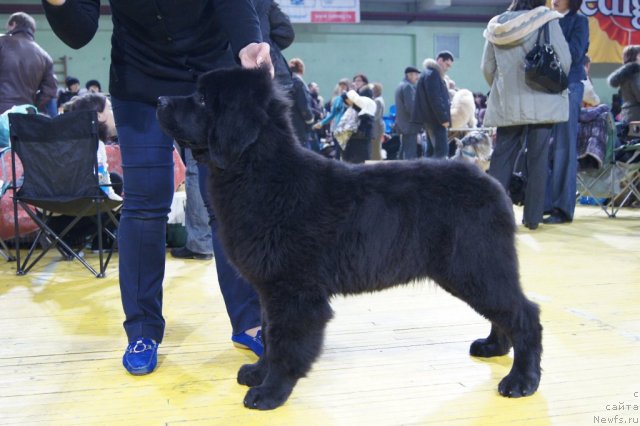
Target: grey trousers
(509, 140)
(196, 216)
(409, 148)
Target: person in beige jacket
(521, 113)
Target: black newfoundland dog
(301, 229)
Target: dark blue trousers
(438, 137)
(147, 163)
(561, 184)
(241, 300)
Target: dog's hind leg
(294, 337)
(526, 334)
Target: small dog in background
(463, 110)
(474, 148)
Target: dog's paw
(519, 385)
(486, 348)
(251, 374)
(266, 397)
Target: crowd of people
(349, 126)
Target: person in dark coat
(278, 32)
(160, 49)
(301, 112)
(560, 195)
(26, 70)
(627, 79)
(432, 108)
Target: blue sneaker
(244, 341)
(141, 356)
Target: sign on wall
(322, 11)
(613, 24)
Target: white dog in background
(463, 110)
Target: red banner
(613, 25)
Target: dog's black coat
(301, 228)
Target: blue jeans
(561, 184)
(147, 163)
(196, 220)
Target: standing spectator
(336, 112)
(432, 104)
(276, 30)
(317, 108)
(627, 79)
(358, 148)
(361, 84)
(405, 100)
(148, 60)
(73, 89)
(301, 113)
(560, 199)
(520, 113)
(378, 123)
(198, 245)
(26, 70)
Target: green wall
(379, 50)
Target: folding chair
(614, 182)
(4, 185)
(60, 177)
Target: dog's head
(475, 148)
(223, 117)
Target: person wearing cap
(405, 97)
(432, 106)
(358, 148)
(73, 88)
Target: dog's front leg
(294, 338)
(253, 374)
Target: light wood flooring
(394, 358)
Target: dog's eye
(202, 100)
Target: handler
(159, 49)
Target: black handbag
(518, 181)
(542, 68)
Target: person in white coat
(521, 113)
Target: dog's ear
(238, 100)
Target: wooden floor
(393, 358)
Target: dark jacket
(575, 28)
(432, 105)
(278, 32)
(26, 71)
(627, 79)
(301, 113)
(160, 48)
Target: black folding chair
(60, 177)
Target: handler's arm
(75, 22)
(241, 24)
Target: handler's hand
(255, 55)
(56, 2)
